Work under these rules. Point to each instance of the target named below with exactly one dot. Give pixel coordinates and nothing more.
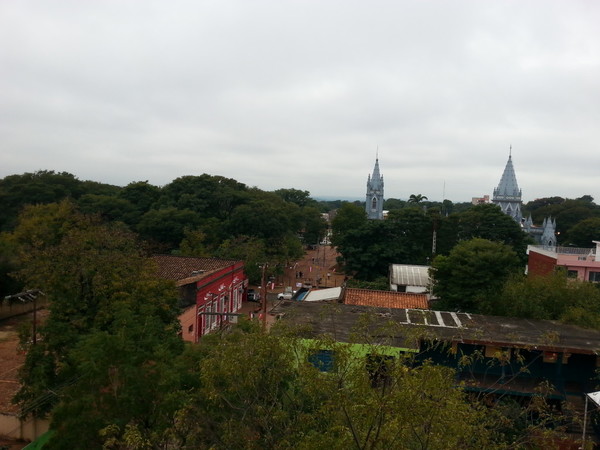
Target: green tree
(86, 271)
(42, 187)
(207, 195)
(263, 219)
(109, 207)
(251, 250)
(487, 221)
(313, 226)
(551, 297)
(405, 238)
(567, 212)
(296, 196)
(283, 401)
(582, 234)
(166, 227)
(470, 278)
(416, 198)
(141, 194)
(393, 203)
(9, 262)
(125, 375)
(347, 218)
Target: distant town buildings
(480, 200)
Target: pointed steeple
(376, 178)
(508, 183)
(508, 195)
(374, 198)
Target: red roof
(385, 299)
(184, 267)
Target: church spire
(508, 195)
(508, 183)
(374, 198)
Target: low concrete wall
(26, 430)
(16, 309)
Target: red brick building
(211, 291)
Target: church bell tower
(374, 200)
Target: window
(213, 320)
(572, 274)
(208, 318)
(595, 276)
(322, 360)
(191, 328)
(374, 204)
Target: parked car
(253, 296)
(287, 294)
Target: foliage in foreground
(280, 400)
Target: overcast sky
(279, 94)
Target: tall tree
(89, 273)
(487, 221)
(472, 275)
(416, 198)
(405, 238)
(300, 198)
(347, 218)
(582, 234)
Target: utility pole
(263, 284)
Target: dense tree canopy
(471, 277)
(551, 297)
(567, 212)
(192, 215)
(582, 234)
(407, 236)
(113, 371)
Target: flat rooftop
(400, 327)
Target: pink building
(210, 291)
(580, 263)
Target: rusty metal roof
(190, 269)
(384, 299)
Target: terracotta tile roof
(385, 299)
(180, 268)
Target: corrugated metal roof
(319, 295)
(408, 275)
(385, 299)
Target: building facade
(210, 291)
(580, 263)
(374, 199)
